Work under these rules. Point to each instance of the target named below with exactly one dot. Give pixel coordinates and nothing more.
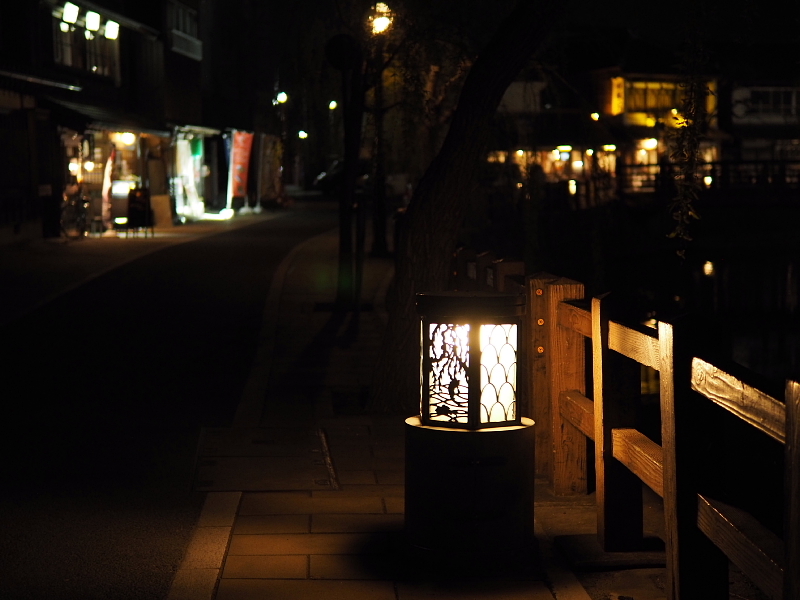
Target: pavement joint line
(326, 451)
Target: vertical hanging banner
(240, 160)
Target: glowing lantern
(469, 359)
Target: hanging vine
(686, 154)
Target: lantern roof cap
(469, 304)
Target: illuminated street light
(381, 18)
(302, 134)
(332, 105)
(92, 21)
(112, 30)
(282, 97)
(70, 14)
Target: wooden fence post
(791, 536)
(538, 381)
(566, 370)
(696, 568)
(617, 387)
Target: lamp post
(380, 21)
(469, 454)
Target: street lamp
(380, 20)
(469, 454)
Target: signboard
(240, 160)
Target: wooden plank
(566, 368)
(576, 318)
(617, 385)
(791, 519)
(696, 568)
(749, 545)
(578, 410)
(637, 345)
(539, 404)
(642, 456)
(749, 404)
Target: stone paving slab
(304, 503)
(227, 473)
(248, 589)
(299, 543)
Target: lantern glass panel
(448, 379)
(498, 373)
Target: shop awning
(79, 116)
(197, 130)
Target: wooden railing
(702, 534)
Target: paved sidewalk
(305, 491)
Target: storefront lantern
(470, 349)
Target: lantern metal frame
(475, 309)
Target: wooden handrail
(760, 410)
(701, 534)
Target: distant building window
(182, 18)
(651, 96)
(76, 45)
(182, 27)
(774, 101)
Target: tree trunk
(429, 230)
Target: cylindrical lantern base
(469, 493)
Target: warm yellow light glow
(589, 152)
(121, 187)
(595, 116)
(449, 385)
(617, 95)
(564, 148)
(573, 187)
(302, 135)
(498, 372)
(708, 180)
(577, 164)
(112, 30)
(556, 155)
(73, 167)
(519, 185)
(708, 268)
(127, 138)
(64, 27)
(520, 152)
(381, 24)
(121, 220)
(88, 34)
(650, 121)
(70, 14)
(332, 104)
(92, 21)
(382, 19)
(650, 144)
(88, 166)
(609, 148)
(674, 111)
(282, 97)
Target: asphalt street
(105, 390)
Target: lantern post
(469, 453)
